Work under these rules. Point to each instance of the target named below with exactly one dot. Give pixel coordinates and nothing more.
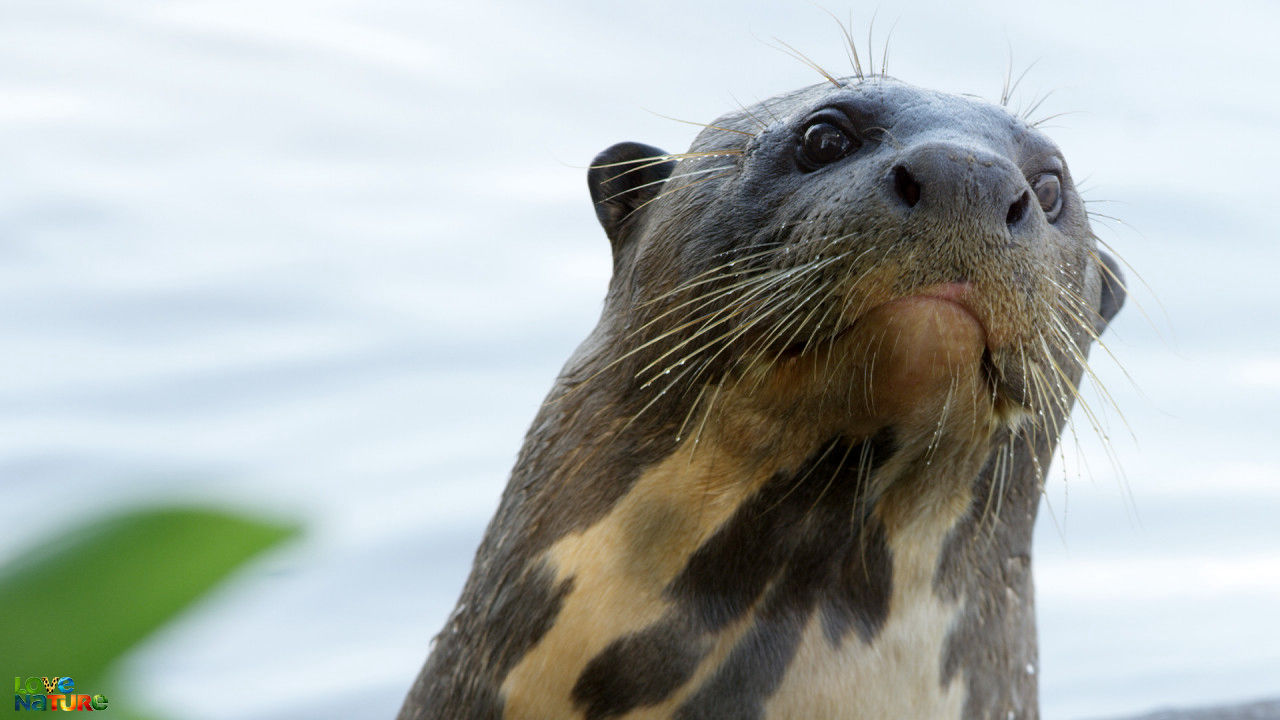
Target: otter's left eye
(823, 144)
(1048, 189)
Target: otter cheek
(922, 350)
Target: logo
(53, 693)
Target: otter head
(842, 333)
(863, 253)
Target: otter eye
(1048, 189)
(823, 144)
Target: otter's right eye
(1048, 190)
(823, 144)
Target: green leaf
(74, 604)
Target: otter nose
(952, 182)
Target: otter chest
(797, 598)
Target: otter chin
(794, 470)
(922, 347)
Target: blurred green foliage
(76, 603)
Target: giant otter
(793, 471)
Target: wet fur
(717, 512)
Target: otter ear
(1113, 292)
(622, 179)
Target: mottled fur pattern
(734, 502)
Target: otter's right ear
(622, 180)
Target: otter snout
(944, 182)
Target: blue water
(321, 260)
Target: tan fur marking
(620, 566)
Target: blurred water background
(321, 260)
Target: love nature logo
(53, 693)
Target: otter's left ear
(622, 180)
(1113, 292)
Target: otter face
(898, 247)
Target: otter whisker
(993, 503)
(1098, 381)
(799, 307)
(1063, 334)
(1094, 215)
(700, 369)
(1059, 528)
(835, 473)
(1044, 396)
(851, 49)
(886, 132)
(660, 181)
(715, 274)
(936, 436)
(790, 324)
(1042, 122)
(753, 287)
(1035, 105)
(617, 361)
(655, 161)
(1032, 376)
(1001, 482)
(697, 437)
(1142, 308)
(797, 326)
(749, 352)
(1021, 76)
(725, 340)
(988, 501)
(643, 163)
(884, 56)
(805, 59)
(838, 309)
(686, 358)
(871, 55)
(1118, 257)
(1007, 92)
(801, 478)
(656, 397)
(693, 406)
(738, 307)
(663, 194)
(1098, 427)
(763, 125)
(1121, 281)
(1082, 459)
(705, 125)
(1052, 422)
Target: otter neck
(816, 566)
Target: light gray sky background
(322, 260)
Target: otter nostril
(904, 183)
(1018, 209)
